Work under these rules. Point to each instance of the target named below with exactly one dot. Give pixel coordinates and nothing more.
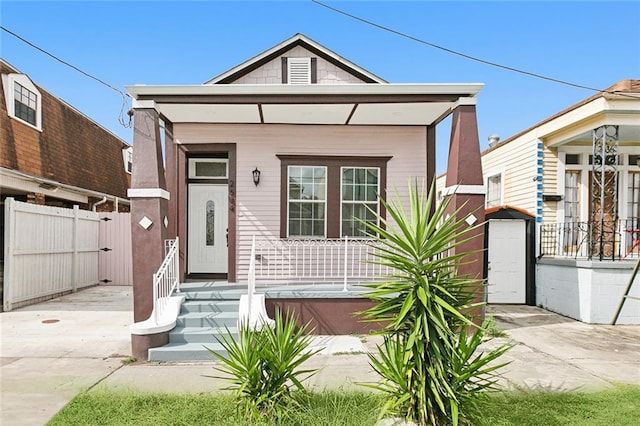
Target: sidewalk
(45, 363)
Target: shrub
(263, 366)
(429, 369)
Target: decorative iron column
(604, 192)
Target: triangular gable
(297, 41)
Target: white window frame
(127, 157)
(324, 201)
(306, 62)
(342, 201)
(194, 161)
(9, 83)
(489, 176)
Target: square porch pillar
(149, 209)
(465, 188)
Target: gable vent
(299, 70)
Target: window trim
(333, 185)
(126, 154)
(8, 82)
(501, 199)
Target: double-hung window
(330, 196)
(23, 99)
(359, 199)
(25, 104)
(307, 194)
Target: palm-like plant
(263, 366)
(427, 363)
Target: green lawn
(616, 407)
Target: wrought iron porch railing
(611, 240)
(323, 260)
(167, 279)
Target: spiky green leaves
(427, 364)
(263, 367)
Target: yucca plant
(428, 364)
(263, 366)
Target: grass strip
(619, 406)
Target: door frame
(177, 171)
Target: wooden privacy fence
(50, 251)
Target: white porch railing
(322, 260)
(166, 280)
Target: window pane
(494, 190)
(294, 227)
(294, 190)
(294, 210)
(210, 228)
(211, 169)
(372, 177)
(372, 193)
(347, 192)
(347, 175)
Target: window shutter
(299, 70)
(285, 70)
(314, 70)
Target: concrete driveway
(52, 351)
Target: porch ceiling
(625, 134)
(353, 104)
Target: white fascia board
(284, 44)
(146, 104)
(148, 193)
(462, 89)
(64, 191)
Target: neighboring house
(578, 174)
(291, 146)
(50, 153)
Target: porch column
(464, 187)
(431, 160)
(149, 208)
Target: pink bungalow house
(288, 147)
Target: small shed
(510, 255)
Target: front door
(207, 229)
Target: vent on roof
(299, 70)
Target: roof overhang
(346, 104)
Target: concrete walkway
(52, 351)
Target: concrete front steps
(208, 308)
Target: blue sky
(589, 43)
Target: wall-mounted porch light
(256, 176)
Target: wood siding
(271, 72)
(258, 207)
(517, 163)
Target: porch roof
(337, 104)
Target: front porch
(211, 308)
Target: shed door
(208, 216)
(507, 261)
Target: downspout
(104, 200)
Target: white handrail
(166, 280)
(252, 274)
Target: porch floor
(274, 290)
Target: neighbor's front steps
(207, 310)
